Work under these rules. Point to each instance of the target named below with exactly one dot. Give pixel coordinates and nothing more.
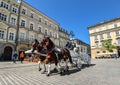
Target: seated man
(70, 45)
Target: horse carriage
(59, 56)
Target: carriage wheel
(78, 63)
(89, 62)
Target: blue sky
(78, 15)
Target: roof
(104, 22)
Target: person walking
(22, 56)
(15, 57)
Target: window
(3, 17)
(1, 34)
(14, 10)
(96, 44)
(13, 20)
(40, 29)
(98, 52)
(118, 41)
(11, 36)
(45, 22)
(55, 35)
(104, 51)
(45, 32)
(115, 25)
(23, 11)
(106, 27)
(102, 44)
(50, 25)
(108, 35)
(117, 33)
(101, 36)
(50, 33)
(31, 26)
(22, 23)
(31, 15)
(40, 19)
(96, 38)
(22, 36)
(31, 38)
(4, 5)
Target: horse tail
(69, 55)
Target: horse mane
(51, 43)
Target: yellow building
(32, 24)
(103, 31)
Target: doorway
(7, 53)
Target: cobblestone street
(101, 72)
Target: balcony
(96, 40)
(24, 41)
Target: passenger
(68, 44)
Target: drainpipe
(17, 29)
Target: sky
(78, 15)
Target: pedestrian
(22, 56)
(15, 57)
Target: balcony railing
(25, 41)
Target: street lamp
(18, 20)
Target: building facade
(32, 24)
(104, 31)
(63, 37)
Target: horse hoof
(40, 69)
(47, 74)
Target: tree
(108, 46)
(71, 34)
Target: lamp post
(18, 20)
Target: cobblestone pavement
(101, 72)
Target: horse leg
(44, 69)
(39, 68)
(71, 62)
(66, 65)
(48, 71)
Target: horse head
(48, 43)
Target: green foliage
(108, 46)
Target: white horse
(76, 58)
